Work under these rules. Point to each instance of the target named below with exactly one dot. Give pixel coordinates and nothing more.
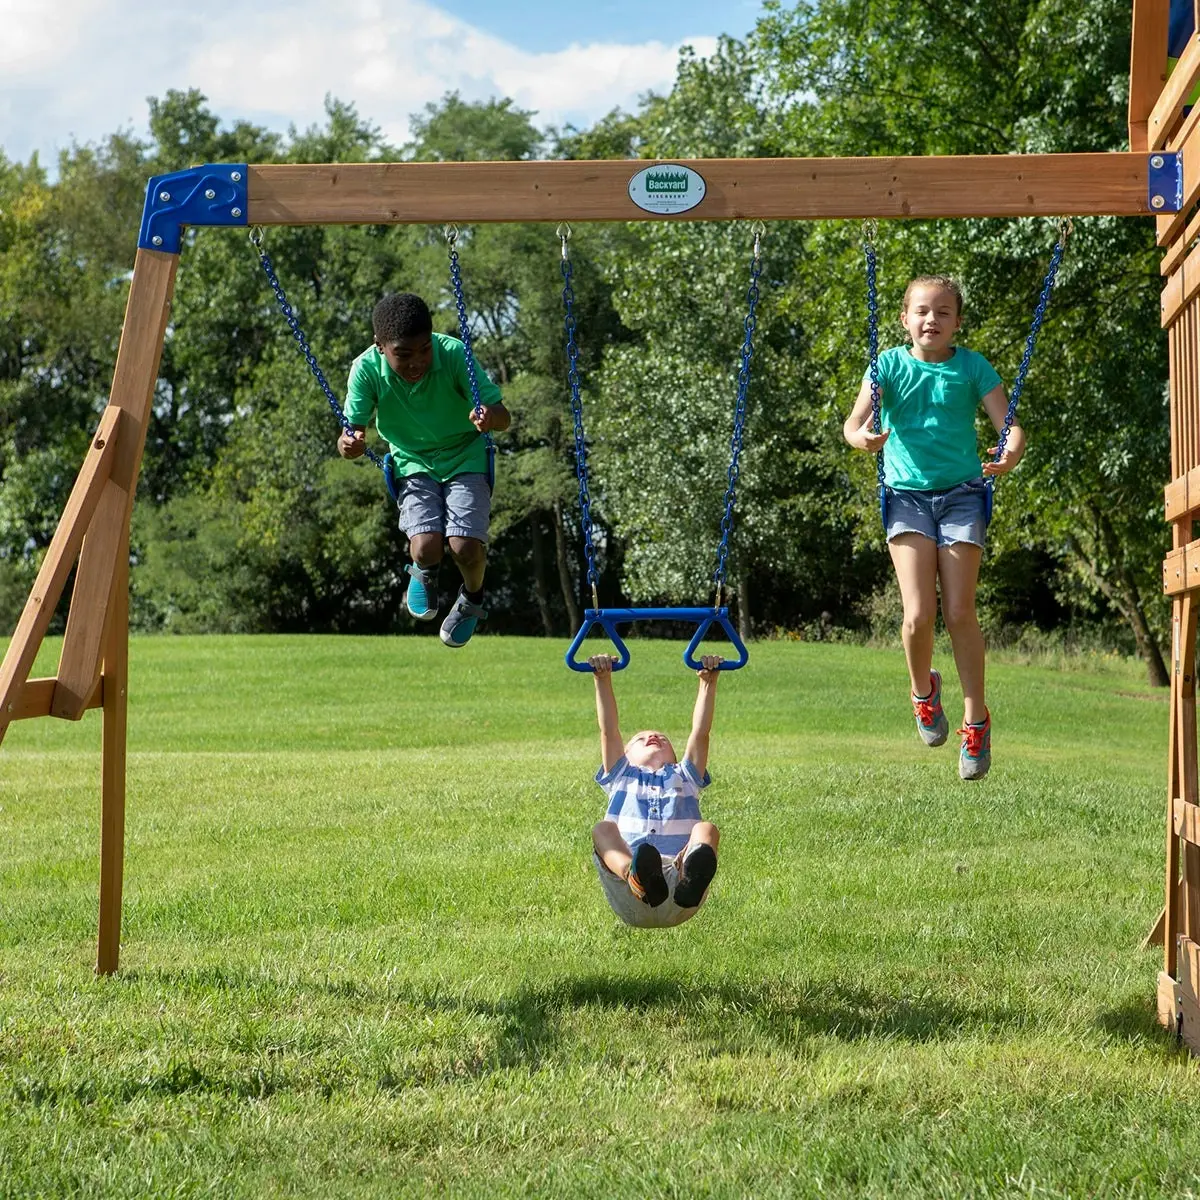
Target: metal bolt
(1156, 161)
(235, 176)
(164, 196)
(10, 708)
(235, 212)
(156, 240)
(209, 194)
(1157, 201)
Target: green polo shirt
(427, 423)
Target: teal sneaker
(421, 597)
(932, 723)
(975, 757)
(460, 622)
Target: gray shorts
(632, 911)
(460, 507)
(958, 514)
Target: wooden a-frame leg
(112, 770)
(133, 388)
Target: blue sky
(539, 24)
(77, 70)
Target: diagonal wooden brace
(79, 664)
(60, 558)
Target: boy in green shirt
(415, 384)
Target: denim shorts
(957, 514)
(460, 507)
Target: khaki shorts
(460, 507)
(633, 911)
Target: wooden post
(1184, 776)
(134, 378)
(112, 766)
(1147, 66)
(133, 387)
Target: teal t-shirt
(428, 423)
(930, 409)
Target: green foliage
(454, 130)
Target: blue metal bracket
(214, 194)
(609, 618)
(1165, 182)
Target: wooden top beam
(1016, 185)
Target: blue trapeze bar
(214, 194)
(609, 618)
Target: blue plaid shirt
(659, 807)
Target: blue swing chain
(739, 416)
(581, 469)
(256, 240)
(869, 230)
(464, 325)
(1039, 314)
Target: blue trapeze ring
(609, 618)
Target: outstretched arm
(612, 745)
(702, 715)
(996, 405)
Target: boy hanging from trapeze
(654, 854)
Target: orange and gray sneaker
(646, 879)
(932, 724)
(975, 757)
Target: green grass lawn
(365, 953)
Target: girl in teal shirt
(930, 394)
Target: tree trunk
(1125, 597)
(564, 568)
(541, 588)
(743, 610)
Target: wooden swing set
(1159, 176)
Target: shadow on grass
(537, 1020)
(394, 1035)
(408, 1035)
(1134, 1020)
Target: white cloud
(83, 68)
